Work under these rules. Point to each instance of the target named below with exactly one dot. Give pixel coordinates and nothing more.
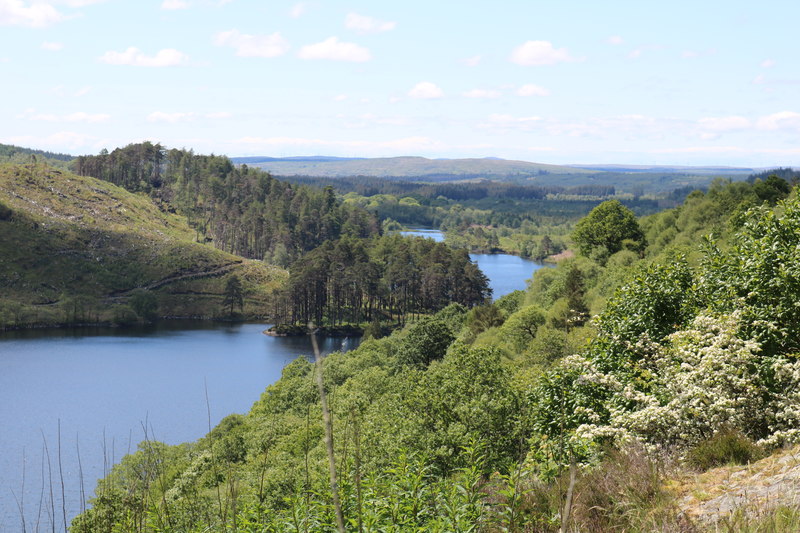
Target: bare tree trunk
(326, 418)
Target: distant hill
(18, 154)
(626, 179)
(76, 249)
(669, 169)
(406, 167)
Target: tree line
(390, 278)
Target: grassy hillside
(77, 249)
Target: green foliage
(373, 331)
(433, 434)
(233, 295)
(772, 189)
(484, 317)
(727, 446)
(656, 301)
(466, 398)
(144, 303)
(427, 341)
(5, 212)
(521, 327)
(356, 280)
(607, 229)
(760, 275)
(242, 210)
(81, 240)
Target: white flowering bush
(705, 379)
(701, 380)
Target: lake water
(105, 385)
(507, 273)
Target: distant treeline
(17, 154)
(243, 210)
(791, 175)
(384, 279)
(467, 190)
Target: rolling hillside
(407, 167)
(75, 249)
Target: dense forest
(351, 281)
(564, 407)
(241, 210)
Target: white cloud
(532, 90)
(482, 93)
(253, 45)
(780, 120)
(79, 116)
(425, 90)
(402, 145)
(83, 91)
(335, 50)
(86, 117)
(759, 80)
(616, 40)
(538, 53)
(168, 57)
(472, 61)
(63, 140)
(365, 24)
(505, 119)
(172, 5)
(634, 54)
(172, 118)
(78, 3)
(175, 118)
(35, 15)
(298, 10)
(53, 47)
(632, 126)
(768, 63)
(340, 98)
(720, 124)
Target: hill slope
(73, 249)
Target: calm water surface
(107, 385)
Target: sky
(560, 82)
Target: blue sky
(633, 82)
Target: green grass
(72, 248)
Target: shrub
(123, 315)
(727, 446)
(427, 341)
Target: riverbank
(294, 330)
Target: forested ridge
(669, 342)
(244, 211)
